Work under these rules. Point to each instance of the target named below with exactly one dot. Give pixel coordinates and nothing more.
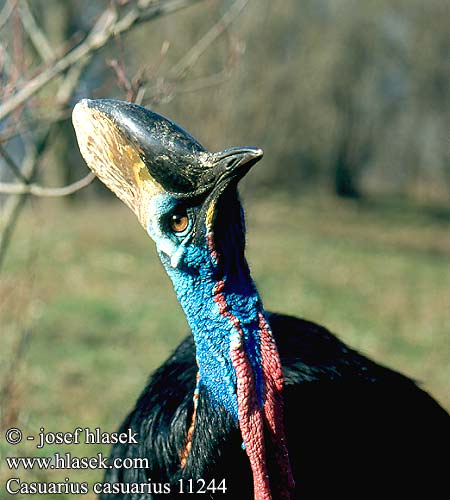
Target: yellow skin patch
(210, 216)
(114, 160)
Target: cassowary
(252, 404)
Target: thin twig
(103, 30)
(36, 35)
(66, 88)
(16, 203)
(38, 120)
(6, 12)
(193, 54)
(7, 64)
(17, 49)
(136, 88)
(12, 165)
(37, 190)
(165, 89)
(204, 82)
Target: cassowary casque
(224, 410)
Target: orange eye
(179, 222)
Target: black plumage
(355, 429)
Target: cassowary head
(186, 199)
(172, 184)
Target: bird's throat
(238, 362)
(222, 311)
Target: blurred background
(348, 213)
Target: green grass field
(84, 281)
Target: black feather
(355, 429)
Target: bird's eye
(179, 222)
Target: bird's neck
(238, 360)
(222, 308)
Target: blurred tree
(345, 96)
(52, 53)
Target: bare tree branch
(205, 82)
(192, 55)
(37, 190)
(39, 119)
(6, 12)
(179, 70)
(12, 165)
(104, 29)
(16, 203)
(36, 35)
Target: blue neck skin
(213, 331)
(196, 278)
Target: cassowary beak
(229, 167)
(139, 154)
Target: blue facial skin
(195, 275)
